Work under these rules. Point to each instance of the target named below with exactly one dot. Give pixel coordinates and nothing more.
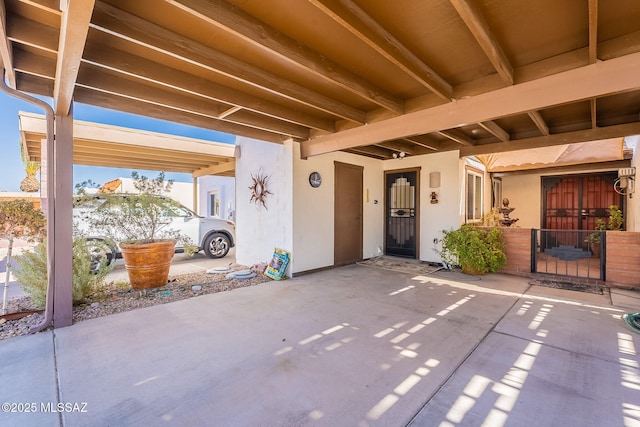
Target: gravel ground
(117, 297)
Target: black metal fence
(573, 253)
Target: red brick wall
(623, 258)
(518, 251)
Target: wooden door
(348, 208)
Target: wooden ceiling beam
(222, 167)
(229, 112)
(362, 153)
(596, 80)
(457, 136)
(494, 129)
(617, 131)
(420, 140)
(593, 31)
(6, 57)
(34, 34)
(151, 36)
(73, 36)
(477, 24)
(97, 80)
(133, 164)
(235, 21)
(374, 151)
(594, 111)
(363, 26)
(539, 121)
(153, 72)
(133, 106)
(397, 146)
(111, 149)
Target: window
(214, 204)
(496, 192)
(474, 195)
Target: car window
(178, 211)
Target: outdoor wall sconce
(399, 155)
(624, 185)
(434, 182)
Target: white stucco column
(261, 228)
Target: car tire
(217, 245)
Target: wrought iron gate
(572, 253)
(401, 208)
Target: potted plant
(138, 223)
(477, 250)
(30, 183)
(614, 221)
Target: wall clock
(315, 179)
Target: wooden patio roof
(363, 76)
(97, 144)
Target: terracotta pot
(148, 263)
(467, 269)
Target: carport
(96, 144)
(367, 77)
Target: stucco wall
(524, 194)
(225, 187)
(258, 229)
(181, 192)
(524, 191)
(314, 208)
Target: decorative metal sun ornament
(258, 189)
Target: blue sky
(13, 170)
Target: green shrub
(32, 272)
(474, 249)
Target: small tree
(138, 217)
(29, 184)
(18, 218)
(32, 273)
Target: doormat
(402, 265)
(580, 287)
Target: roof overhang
(365, 77)
(96, 144)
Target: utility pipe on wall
(48, 313)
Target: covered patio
(351, 346)
(367, 78)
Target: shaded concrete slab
(350, 346)
(28, 384)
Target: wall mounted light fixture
(434, 183)
(399, 155)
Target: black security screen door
(401, 201)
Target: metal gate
(569, 253)
(401, 203)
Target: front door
(348, 207)
(576, 202)
(401, 203)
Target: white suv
(213, 236)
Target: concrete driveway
(352, 346)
